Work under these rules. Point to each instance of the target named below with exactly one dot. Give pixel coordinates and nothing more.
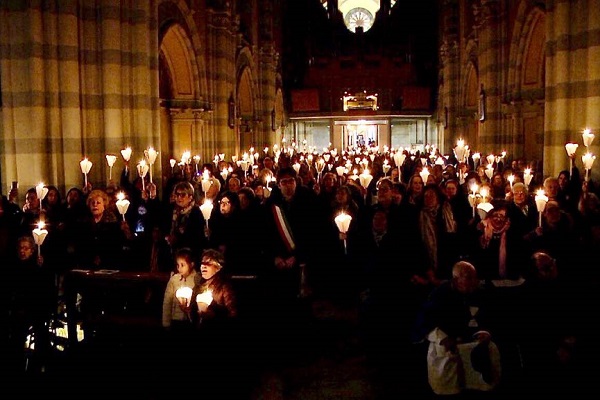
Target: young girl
(175, 306)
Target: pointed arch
(527, 70)
(177, 18)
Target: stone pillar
(489, 62)
(221, 76)
(572, 73)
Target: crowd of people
(396, 260)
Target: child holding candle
(175, 312)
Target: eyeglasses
(181, 194)
(287, 181)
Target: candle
(151, 155)
(527, 176)
(483, 209)
(142, 169)
(205, 297)
(343, 223)
(459, 150)
(206, 182)
(473, 197)
(85, 165)
(296, 167)
(126, 154)
(110, 160)
(540, 201)
(184, 295)
(39, 234)
(510, 179)
(365, 178)
(196, 161)
(172, 162)
(424, 175)
(122, 204)
(588, 137)
(41, 192)
(588, 161)
(476, 157)
(206, 209)
(489, 170)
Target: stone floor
(328, 357)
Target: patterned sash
(284, 228)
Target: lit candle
(126, 154)
(476, 157)
(184, 295)
(540, 201)
(206, 182)
(489, 170)
(588, 137)
(39, 234)
(172, 162)
(41, 192)
(424, 175)
(122, 204)
(365, 178)
(588, 161)
(343, 223)
(527, 176)
(110, 160)
(459, 150)
(196, 161)
(510, 179)
(386, 167)
(205, 297)
(473, 197)
(142, 169)
(151, 155)
(206, 209)
(85, 165)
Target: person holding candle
(227, 233)
(32, 298)
(31, 212)
(176, 312)
(185, 226)
(438, 233)
(521, 210)
(214, 311)
(500, 250)
(101, 237)
(569, 189)
(557, 237)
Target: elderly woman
(101, 237)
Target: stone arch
(177, 12)
(246, 98)
(183, 82)
(526, 79)
(527, 70)
(469, 96)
